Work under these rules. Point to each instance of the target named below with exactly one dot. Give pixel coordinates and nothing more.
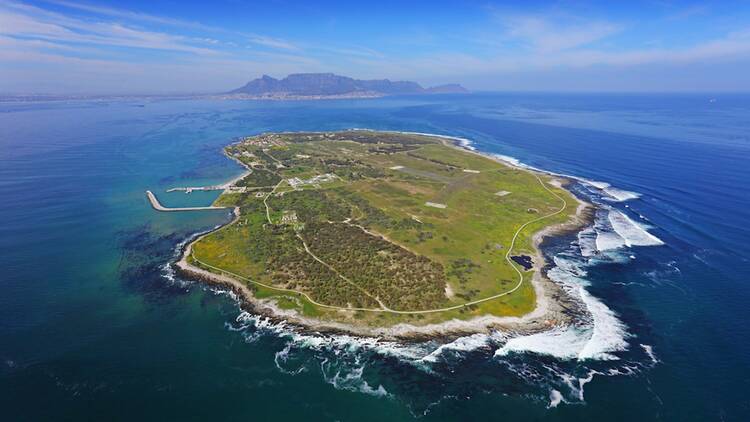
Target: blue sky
(68, 46)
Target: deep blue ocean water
(93, 326)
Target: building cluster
(296, 182)
(266, 141)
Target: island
(386, 234)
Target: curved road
(427, 311)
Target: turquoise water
(93, 326)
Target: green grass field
(383, 222)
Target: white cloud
(548, 33)
(262, 40)
(130, 15)
(21, 21)
(272, 42)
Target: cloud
(547, 33)
(272, 42)
(46, 67)
(23, 21)
(731, 47)
(21, 18)
(130, 15)
(261, 40)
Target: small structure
(471, 171)
(436, 205)
(289, 217)
(502, 193)
(296, 182)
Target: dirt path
(383, 308)
(265, 201)
(343, 277)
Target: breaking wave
(632, 233)
(595, 337)
(611, 193)
(510, 160)
(461, 345)
(555, 398)
(614, 230)
(350, 379)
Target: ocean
(95, 326)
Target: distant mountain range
(329, 85)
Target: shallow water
(91, 320)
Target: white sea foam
(612, 193)
(569, 265)
(350, 379)
(608, 240)
(608, 334)
(466, 144)
(508, 159)
(520, 164)
(632, 233)
(595, 339)
(621, 195)
(555, 398)
(562, 343)
(462, 344)
(614, 230)
(650, 352)
(587, 242)
(281, 358)
(168, 272)
(410, 353)
(584, 381)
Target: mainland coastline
(554, 307)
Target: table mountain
(329, 84)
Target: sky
(167, 47)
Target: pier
(223, 186)
(159, 207)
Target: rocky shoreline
(554, 307)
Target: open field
(381, 228)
